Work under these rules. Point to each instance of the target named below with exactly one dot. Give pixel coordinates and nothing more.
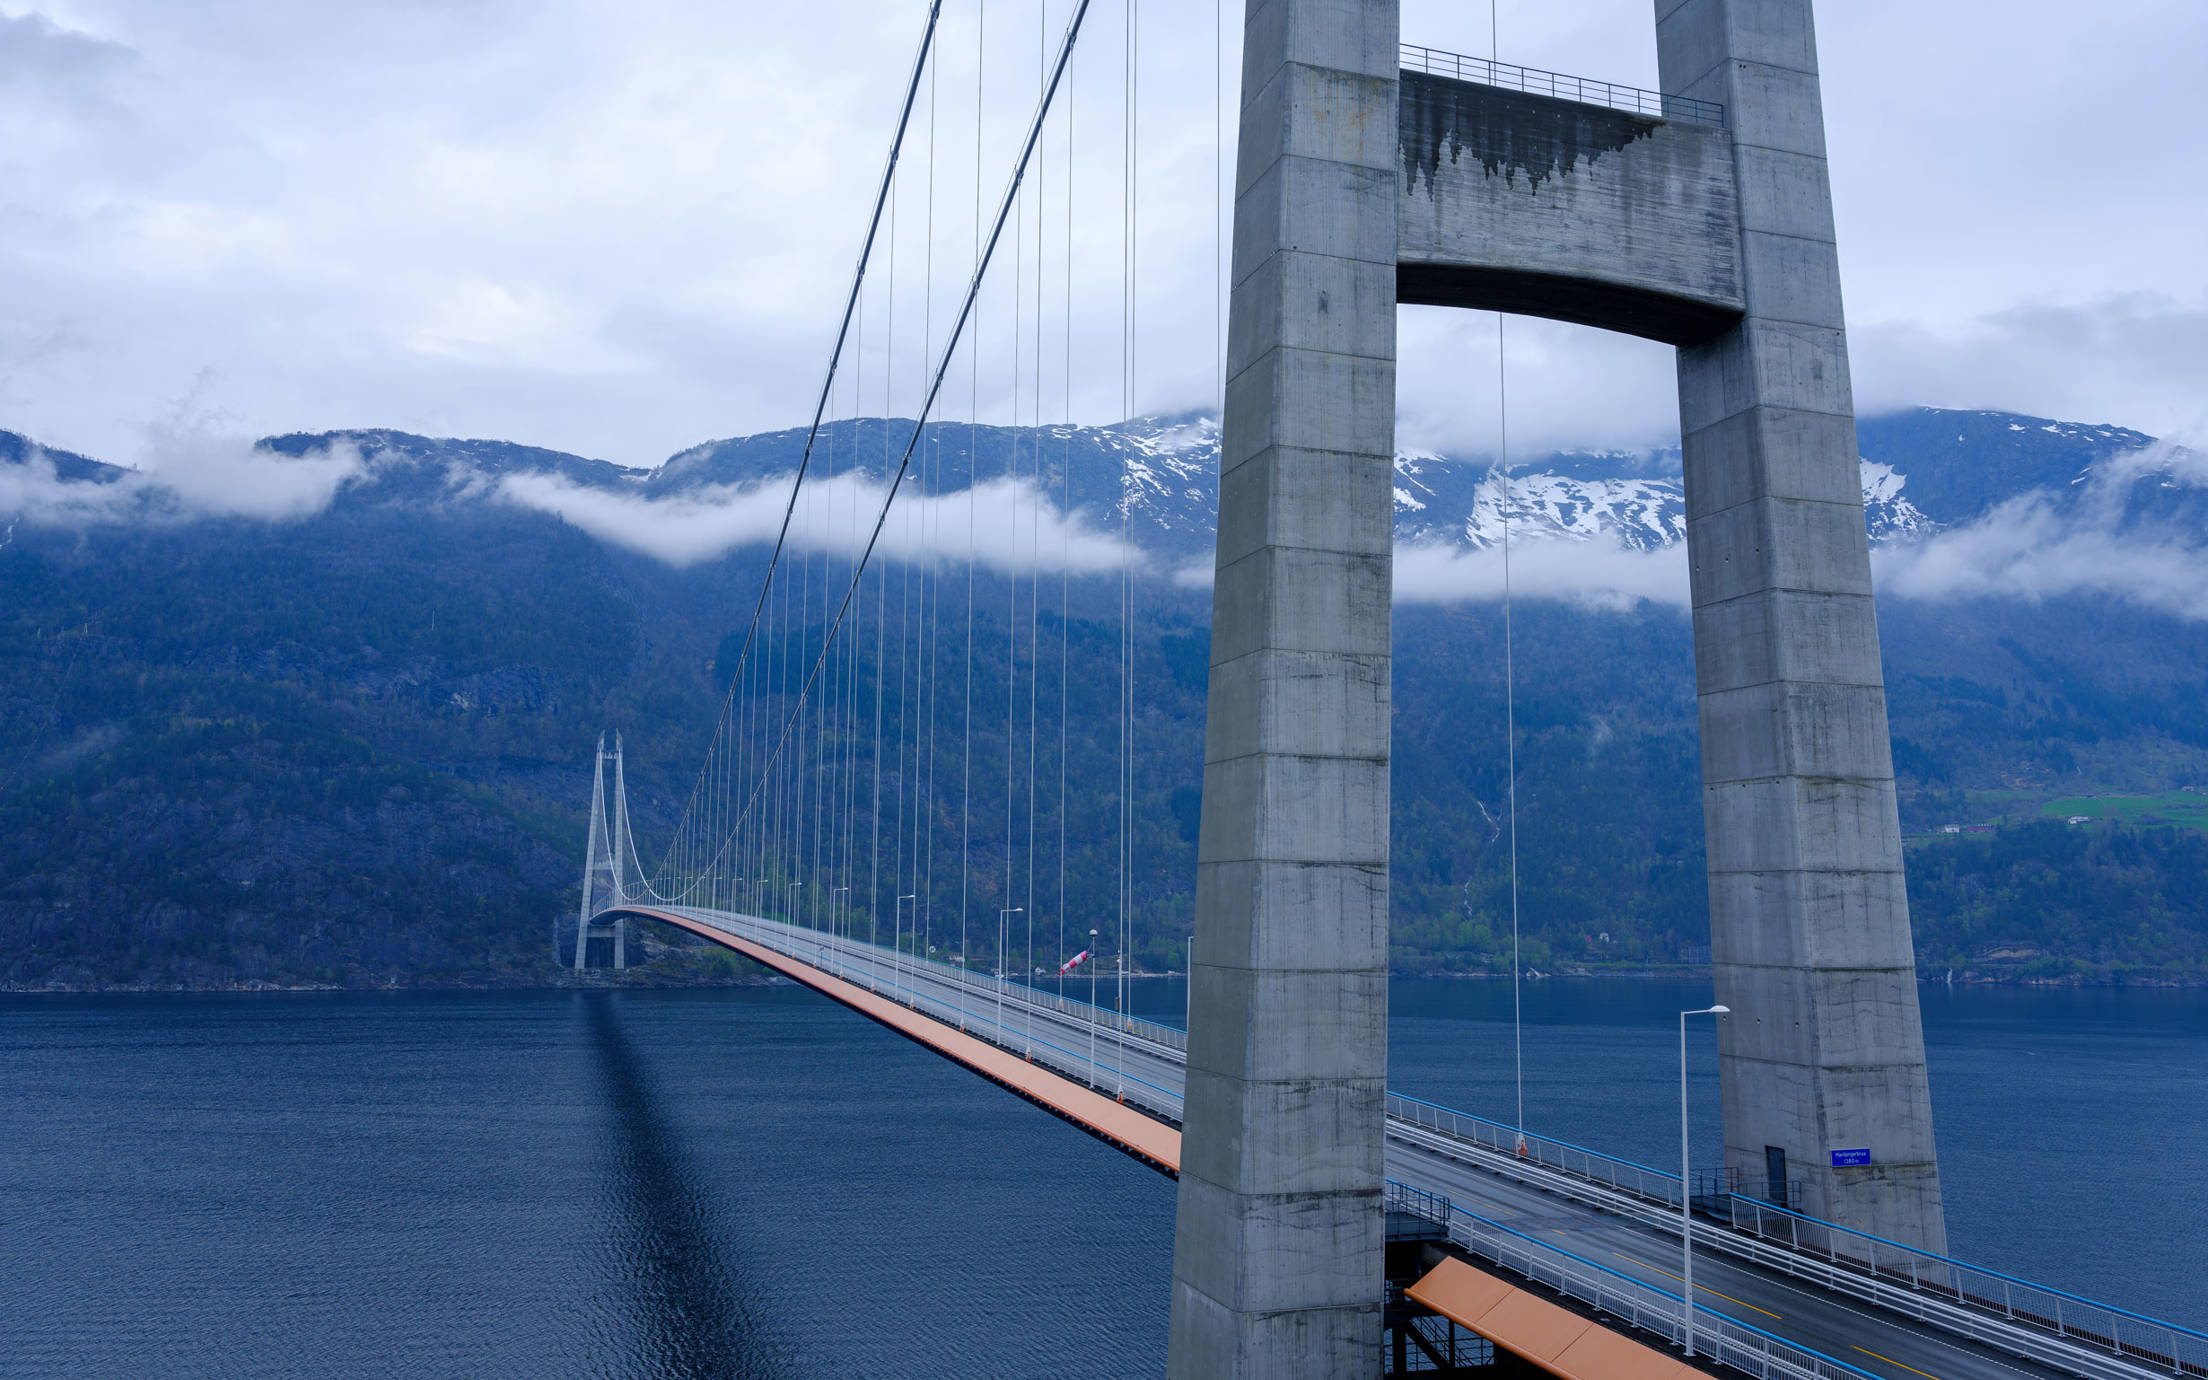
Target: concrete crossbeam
(1525, 203)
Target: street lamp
(789, 906)
(1121, 1001)
(1092, 1008)
(1686, 1179)
(897, 938)
(833, 933)
(1004, 922)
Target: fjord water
(753, 1183)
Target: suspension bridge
(906, 801)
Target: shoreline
(646, 981)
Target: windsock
(1072, 963)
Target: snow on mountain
(1925, 471)
(1889, 514)
(1634, 501)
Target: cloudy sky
(622, 229)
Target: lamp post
(1004, 922)
(1092, 1008)
(832, 912)
(789, 905)
(1686, 1178)
(1123, 1000)
(897, 938)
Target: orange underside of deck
(1557, 1340)
(1110, 1120)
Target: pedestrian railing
(1655, 1185)
(2133, 1336)
(1586, 90)
(1714, 1189)
(1417, 1202)
(919, 983)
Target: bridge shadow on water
(686, 1305)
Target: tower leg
(1277, 1261)
(1809, 918)
(595, 843)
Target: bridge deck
(1536, 1219)
(1108, 1119)
(1555, 1339)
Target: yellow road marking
(1892, 1362)
(1708, 1290)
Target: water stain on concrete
(1513, 134)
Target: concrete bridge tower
(604, 859)
(1706, 223)
(1809, 918)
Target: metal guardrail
(884, 963)
(1656, 1185)
(1586, 90)
(894, 976)
(1434, 1207)
(2080, 1348)
(1719, 1186)
(1635, 1302)
(989, 984)
(2080, 1353)
(2133, 1336)
(1170, 1036)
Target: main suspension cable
(965, 314)
(920, 64)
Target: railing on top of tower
(1588, 91)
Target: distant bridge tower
(604, 861)
(1702, 219)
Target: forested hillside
(352, 747)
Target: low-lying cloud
(2129, 531)
(2043, 545)
(1006, 525)
(2026, 549)
(1599, 573)
(188, 474)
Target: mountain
(398, 467)
(20, 453)
(1923, 471)
(343, 737)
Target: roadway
(1628, 1236)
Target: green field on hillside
(2188, 809)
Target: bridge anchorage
(1324, 1226)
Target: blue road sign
(1849, 1159)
